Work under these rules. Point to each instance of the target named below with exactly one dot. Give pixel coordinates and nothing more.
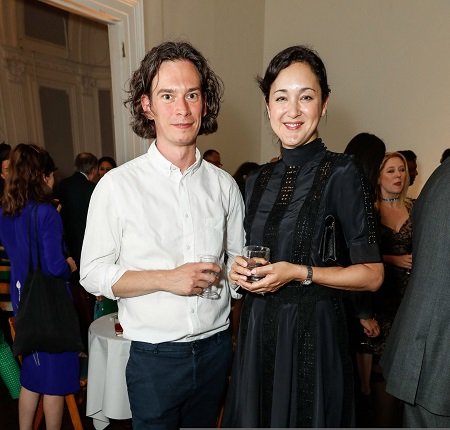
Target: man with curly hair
(149, 221)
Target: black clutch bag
(333, 248)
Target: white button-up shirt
(147, 215)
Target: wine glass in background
(255, 256)
(117, 326)
(211, 291)
(409, 251)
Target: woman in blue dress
(29, 185)
(292, 366)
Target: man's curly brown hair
(141, 84)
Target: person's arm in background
(50, 231)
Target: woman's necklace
(390, 199)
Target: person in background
(5, 149)
(292, 366)
(28, 186)
(368, 150)
(213, 156)
(396, 235)
(105, 164)
(241, 174)
(104, 306)
(445, 155)
(149, 222)
(9, 367)
(74, 194)
(411, 159)
(417, 354)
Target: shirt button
(188, 247)
(186, 215)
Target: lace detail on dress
(388, 298)
(369, 208)
(307, 217)
(301, 254)
(282, 202)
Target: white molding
(12, 57)
(125, 22)
(16, 69)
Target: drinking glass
(211, 291)
(253, 254)
(409, 251)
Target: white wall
(230, 35)
(388, 63)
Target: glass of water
(255, 256)
(211, 291)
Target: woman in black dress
(292, 366)
(394, 212)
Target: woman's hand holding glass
(255, 256)
(273, 275)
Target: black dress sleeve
(348, 198)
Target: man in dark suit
(417, 356)
(74, 194)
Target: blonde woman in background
(394, 210)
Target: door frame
(125, 21)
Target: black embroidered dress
(292, 367)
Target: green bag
(104, 307)
(9, 369)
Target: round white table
(107, 395)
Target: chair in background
(5, 298)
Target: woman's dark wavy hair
(109, 160)
(28, 164)
(294, 54)
(142, 79)
(369, 150)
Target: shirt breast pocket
(212, 234)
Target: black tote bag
(46, 319)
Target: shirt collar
(84, 174)
(166, 166)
